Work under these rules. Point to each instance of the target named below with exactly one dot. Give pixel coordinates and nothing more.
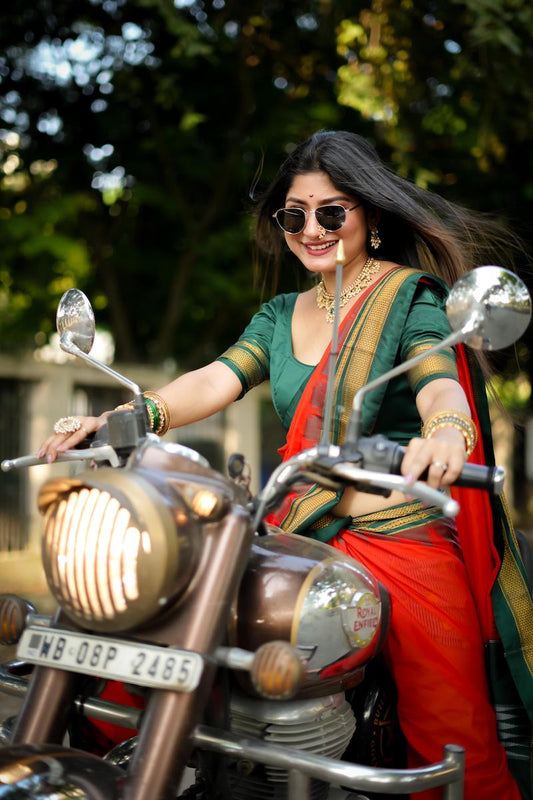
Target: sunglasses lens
(292, 220)
(331, 217)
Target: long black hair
(418, 228)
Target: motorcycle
(244, 648)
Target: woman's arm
(191, 397)
(200, 393)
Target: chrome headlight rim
(87, 571)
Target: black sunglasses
(331, 218)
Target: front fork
(164, 742)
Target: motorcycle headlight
(116, 549)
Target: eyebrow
(325, 202)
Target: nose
(312, 226)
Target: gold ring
(439, 464)
(67, 425)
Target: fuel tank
(323, 602)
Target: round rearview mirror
(75, 322)
(491, 305)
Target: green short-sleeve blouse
(264, 352)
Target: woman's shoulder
(281, 300)
(272, 312)
(280, 304)
(425, 282)
(408, 287)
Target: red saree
(368, 340)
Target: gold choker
(326, 300)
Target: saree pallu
(368, 345)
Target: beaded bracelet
(452, 419)
(157, 410)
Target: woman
(402, 246)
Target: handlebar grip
(382, 455)
(477, 476)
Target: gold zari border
(395, 518)
(250, 359)
(362, 342)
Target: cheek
(357, 229)
(290, 241)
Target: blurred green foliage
(135, 133)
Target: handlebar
(380, 454)
(123, 431)
(372, 465)
(103, 453)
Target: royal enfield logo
(364, 615)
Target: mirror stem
(353, 429)
(69, 347)
(328, 402)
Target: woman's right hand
(58, 442)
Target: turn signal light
(277, 671)
(13, 612)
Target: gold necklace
(326, 300)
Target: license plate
(140, 664)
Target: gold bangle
(162, 410)
(162, 423)
(122, 406)
(452, 419)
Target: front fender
(51, 772)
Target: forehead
(317, 185)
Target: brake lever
(363, 478)
(101, 453)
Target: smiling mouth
(321, 247)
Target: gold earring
(375, 241)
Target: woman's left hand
(444, 453)
(443, 456)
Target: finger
(44, 447)
(74, 439)
(455, 462)
(59, 442)
(415, 460)
(442, 461)
(436, 472)
(55, 447)
(50, 445)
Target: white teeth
(321, 246)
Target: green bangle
(153, 414)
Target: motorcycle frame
(301, 766)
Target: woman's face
(315, 248)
